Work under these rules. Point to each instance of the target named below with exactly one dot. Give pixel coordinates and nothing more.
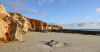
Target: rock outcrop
(14, 25)
(7, 26)
(54, 28)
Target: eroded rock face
(54, 28)
(31, 23)
(49, 27)
(36, 25)
(14, 25)
(20, 25)
(26, 25)
(3, 30)
(43, 26)
(7, 28)
(6, 25)
(3, 11)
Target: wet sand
(35, 42)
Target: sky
(71, 14)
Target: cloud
(85, 25)
(78, 19)
(17, 5)
(41, 2)
(40, 12)
(98, 10)
(48, 2)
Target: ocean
(88, 29)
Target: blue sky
(63, 12)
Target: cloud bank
(88, 25)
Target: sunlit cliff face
(3, 11)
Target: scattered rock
(54, 43)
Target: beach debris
(54, 43)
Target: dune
(35, 42)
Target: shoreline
(85, 32)
(35, 42)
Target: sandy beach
(35, 42)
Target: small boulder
(54, 43)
